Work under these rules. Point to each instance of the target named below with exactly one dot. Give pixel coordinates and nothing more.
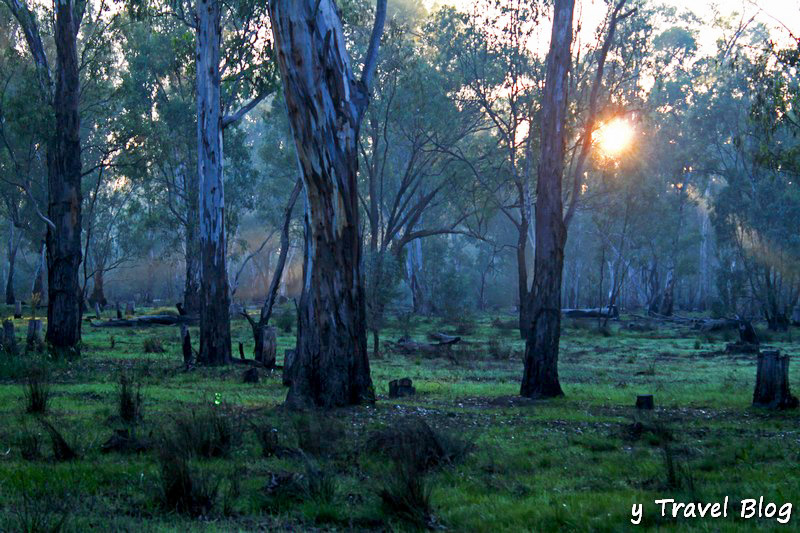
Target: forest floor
(492, 461)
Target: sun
(614, 136)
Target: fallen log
(408, 345)
(716, 324)
(147, 320)
(595, 312)
(443, 338)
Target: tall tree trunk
(98, 291)
(64, 187)
(191, 286)
(325, 103)
(40, 276)
(522, 277)
(215, 331)
(540, 378)
(13, 246)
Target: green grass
(576, 463)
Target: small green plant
(38, 509)
(30, 445)
(62, 450)
(210, 432)
(183, 488)
(407, 497)
(153, 345)
(499, 350)
(317, 435)
(129, 394)
(37, 391)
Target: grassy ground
(573, 464)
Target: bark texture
(215, 331)
(64, 187)
(540, 378)
(13, 246)
(325, 103)
(772, 382)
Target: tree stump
(34, 339)
(645, 401)
(796, 316)
(97, 310)
(119, 311)
(17, 309)
(398, 388)
(186, 345)
(747, 334)
(9, 338)
(288, 362)
(130, 308)
(241, 351)
(250, 375)
(266, 347)
(772, 382)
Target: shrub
(182, 488)
(30, 445)
(407, 496)
(38, 509)
(209, 433)
(415, 444)
(509, 324)
(318, 484)
(62, 450)
(285, 318)
(677, 475)
(466, 325)
(129, 395)
(153, 345)
(499, 349)
(317, 435)
(37, 391)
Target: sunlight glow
(614, 137)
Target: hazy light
(614, 137)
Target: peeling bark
(325, 104)
(215, 331)
(64, 187)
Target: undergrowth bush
(37, 390)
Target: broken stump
(17, 309)
(9, 338)
(288, 363)
(186, 345)
(399, 388)
(250, 375)
(772, 382)
(645, 401)
(266, 347)
(34, 339)
(119, 311)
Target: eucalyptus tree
(23, 187)
(493, 51)
(540, 376)
(59, 88)
(325, 112)
(756, 212)
(412, 188)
